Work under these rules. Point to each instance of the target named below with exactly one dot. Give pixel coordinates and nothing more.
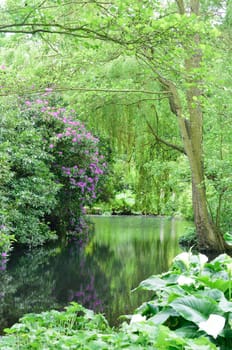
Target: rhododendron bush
(54, 167)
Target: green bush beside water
(191, 309)
(51, 167)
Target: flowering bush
(77, 163)
(55, 166)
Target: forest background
(150, 80)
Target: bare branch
(132, 103)
(50, 44)
(159, 139)
(60, 89)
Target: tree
(171, 40)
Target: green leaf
(188, 331)
(162, 316)
(225, 305)
(228, 238)
(213, 294)
(200, 344)
(222, 259)
(218, 283)
(194, 309)
(156, 283)
(152, 283)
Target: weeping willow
(145, 165)
(148, 166)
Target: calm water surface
(122, 252)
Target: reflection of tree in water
(154, 257)
(26, 286)
(81, 280)
(112, 268)
(51, 278)
(100, 275)
(133, 260)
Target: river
(123, 251)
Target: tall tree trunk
(191, 131)
(192, 134)
(208, 236)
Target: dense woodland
(150, 79)
(120, 107)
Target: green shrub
(52, 168)
(79, 328)
(193, 298)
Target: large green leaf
(194, 309)
(213, 294)
(222, 259)
(188, 331)
(163, 315)
(174, 292)
(155, 283)
(225, 305)
(152, 283)
(220, 284)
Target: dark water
(122, 252)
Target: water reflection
(122, 252)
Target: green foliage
(6, 240)
(191, 309)
(189, 239)
(228, 238)
(52, 168)
(80, 328)
(75, 328)
(120, 51)
(28, 187)
(193, 298)
(124, 203)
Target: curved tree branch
(159, 139)
(59, 89)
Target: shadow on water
(122, 252)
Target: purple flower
(81, 184)
(39, 101)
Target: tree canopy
(152, 76)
